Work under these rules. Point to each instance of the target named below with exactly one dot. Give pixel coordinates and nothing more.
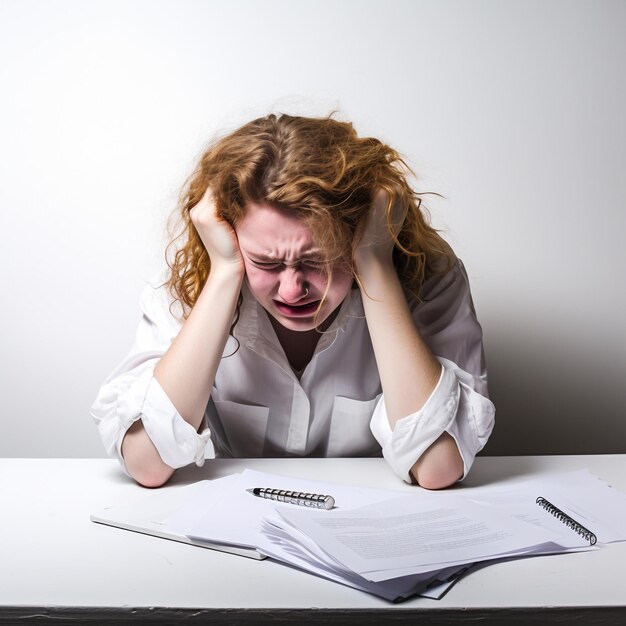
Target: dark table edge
(522, 616)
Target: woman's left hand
(375, 243)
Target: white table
(55, 563)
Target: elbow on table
(151, 477)
(441, 466)
(142, 460)
(438, 480)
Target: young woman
(310, 310)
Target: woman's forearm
(408, 370)
(186, 372)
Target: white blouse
(260, 407)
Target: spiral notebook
(566, 519)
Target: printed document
(417, 534)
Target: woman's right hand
(217, 235)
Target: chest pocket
(350, 433)
(245, 426)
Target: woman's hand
(375, 242)
(217, 235)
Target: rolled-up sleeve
(459, 404)
(131, 393)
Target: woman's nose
(292, 285)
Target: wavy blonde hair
(318, 169)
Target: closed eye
(308, 264)
(267, 266)
(314, 265)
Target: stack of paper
(414, 542)
(232, 516)
(388, 543)
(408, 542)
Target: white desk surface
(54, 559)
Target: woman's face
(284, 269)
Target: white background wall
(513, 110)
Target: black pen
(312, 500)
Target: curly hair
(318, 169)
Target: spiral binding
(567, 520)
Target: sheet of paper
(236, 515)
(521, 504)
(167, 513)
(199, 503)
(591, 501)
(580, 494)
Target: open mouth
(298, 310)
